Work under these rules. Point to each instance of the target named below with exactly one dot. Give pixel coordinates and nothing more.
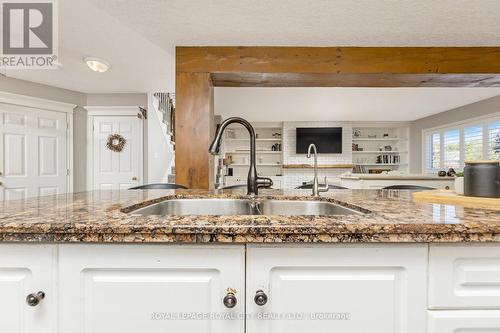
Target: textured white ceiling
(137, 65)
(311, 22)
(343, 104)
(139, 37)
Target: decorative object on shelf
(277, 135)
(355, 147)
(388, 148)
(442, 173)
(116, 142)
(276, 147)
(356, 133)
(378, 171)
(451, 172)
(381, 148)
(386, 135)
(459, 183)
(482, 179)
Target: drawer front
(465, 276)
(463, 321)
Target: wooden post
(194, 129)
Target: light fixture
(96, 64)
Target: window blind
(473, 142)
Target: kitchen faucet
(316, 189)
(254, 182)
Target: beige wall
(32, 89)
(478, 109)
(117, 99)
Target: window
(494, 140)
(473, 142)
(450, 147)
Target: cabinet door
(463, 321)
(464, 276)
(337, 288)
(27, 269)
(150, 288)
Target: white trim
(112, 110)
(70, 147)
(462, 122)
(35, 102)
(106, 111)
(459, 125)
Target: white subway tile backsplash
(295, 177)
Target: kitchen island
(87, 262)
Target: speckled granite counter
(390, 216)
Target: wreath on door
(116, 142)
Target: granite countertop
(100, 216)
(395, 177)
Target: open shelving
(380, 139)
(236, 144)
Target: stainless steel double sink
(227, 207)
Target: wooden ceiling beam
(339, 60)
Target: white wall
(342, 104)
(160, 154)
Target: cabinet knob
(260, 298)
(35, 299)
(230, 298)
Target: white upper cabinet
(27, 270)
(464, 276)
(343, 288)
(154, 289)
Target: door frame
(103, 111)
(53, 106)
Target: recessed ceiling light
(97, 65)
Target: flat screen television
(328, 140)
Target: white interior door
(117, 170)
(33, 152)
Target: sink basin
(296, 207)
(229, 207)
(199, 207)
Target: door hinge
(67, 172)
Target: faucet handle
(323, 188)
(264, 182)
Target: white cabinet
(27, 269)
(153, 288)
(337, 288)
(464, 276)
(476, 321)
